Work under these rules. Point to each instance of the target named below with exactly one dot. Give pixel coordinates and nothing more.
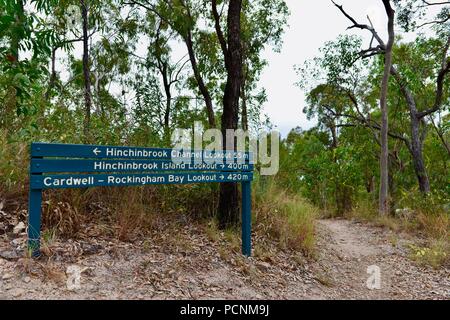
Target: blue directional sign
(105, 165)
(114, 180)
(112, 152)
(63, 166)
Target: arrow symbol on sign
(96, 151)
(221, 176)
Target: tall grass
(14, 160)
(285, 217)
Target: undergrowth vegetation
(285, 216)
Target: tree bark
(384, 156)
(201, 84)
(415, 145)
(417, 154)
(86, 73)
(166, 84)
(244, 111)
(228, 202)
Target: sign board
(112, 152)
(63, 166)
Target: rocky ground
(186, 262)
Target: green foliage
(338, 159)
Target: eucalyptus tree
(344, 87)
(16, 27)
(417, 115)
(337, 96)
(159, 60)
(111, 35)
(387, 50)
(219, 36)
(182, 17)
(414, 14)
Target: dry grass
(426, 219)
(14, 159)
(436, 226)
(435, 254)
(287, 218)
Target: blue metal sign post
(83, 166)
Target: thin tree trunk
(244, 107)
(201, 84)
(384, 156)
(166, 84)
(52, 80)
(417, 155)
(440, 135)
(338, 195)
(415, 145)
(228, 202)
(86, 73)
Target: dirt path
(351, 252)
(183, 263)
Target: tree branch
(427, 3)
(222, 41)
(360, 25)
(390, 133)
(445, 69)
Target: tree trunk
(417, 154)
(370, 185)
(166, 84)
(415, 146)
(244, 111)
(86, 73)
(52, 79)
(337, 186)
(384, 156)
(228, 202)
(201, 84)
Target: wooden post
(246, 218)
